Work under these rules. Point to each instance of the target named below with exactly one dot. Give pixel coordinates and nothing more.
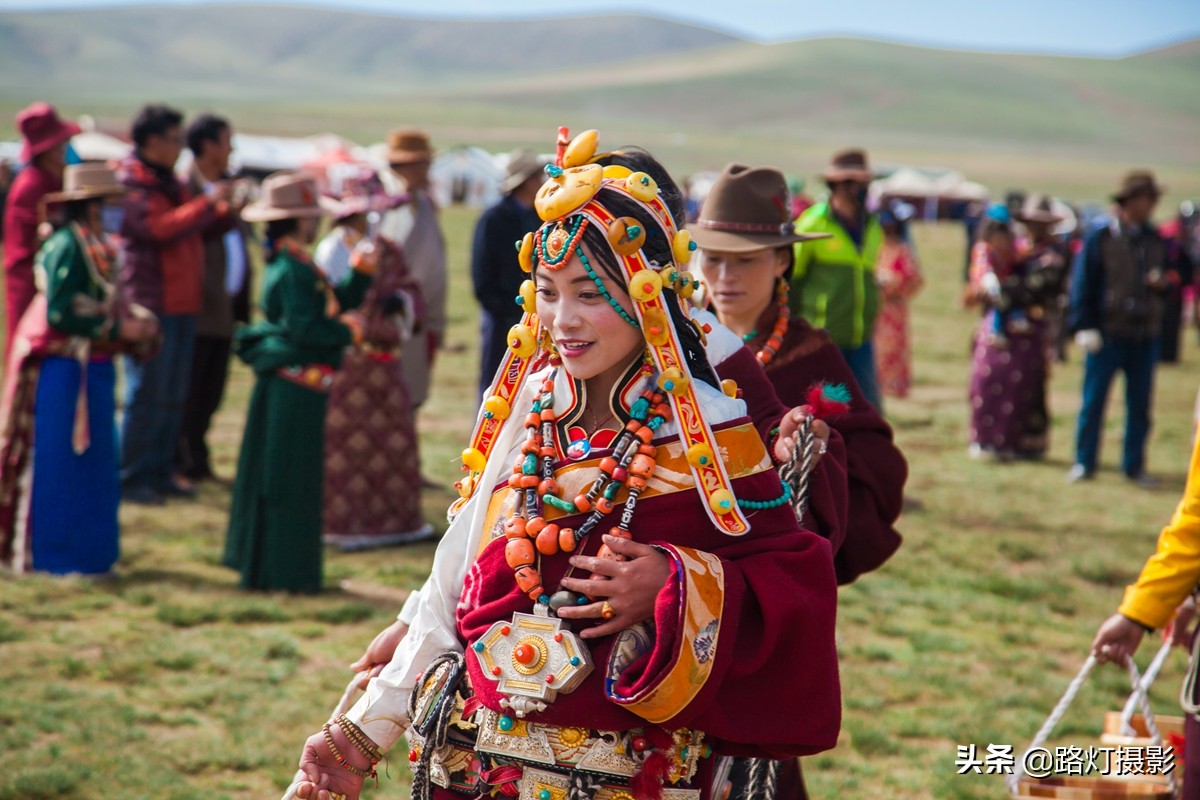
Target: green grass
(168, 682)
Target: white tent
(97, 146)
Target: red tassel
(647, 783)
(827, 400)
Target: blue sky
(1085, 27)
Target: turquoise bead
(575, 661)
(506, 723)
(544, 794)
(478, 647)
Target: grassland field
(169, 682)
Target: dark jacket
(495, 270)
(161, 242)
(1110, 289)
(219, 311)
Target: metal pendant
(532, 658)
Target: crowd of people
(680, 452)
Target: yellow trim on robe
(1173, 572)
(740, 447)
(703, 581)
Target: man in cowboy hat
(495, 270)
(415, 227)
(44, 155)
(833, 285)
(162, 270)
(1117, 289)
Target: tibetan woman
(605, 614)
(274, 538)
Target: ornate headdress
(570, 195)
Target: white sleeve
(409, 609)
(382, 712)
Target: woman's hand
(136, 329)
(1117, 639)
(379, 652)
(352, 321)
(327, 780)
(789, 429)
(630, 586)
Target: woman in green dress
(275, 521)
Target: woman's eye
(589, 295)
(545, 292)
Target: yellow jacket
(1173, 571)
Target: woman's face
(1001, 241)
(592, 338)
(306, 229)
(742, 285)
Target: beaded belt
(317, 377)
(612, 757)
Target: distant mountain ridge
(263, 50)
(301, 70)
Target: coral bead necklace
(630, 465)
(775, 341)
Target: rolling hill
(695, 95)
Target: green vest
(833, 283)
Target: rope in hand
(344, 704)
(796, 472)
(1042, 736)
(763, 773)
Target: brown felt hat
(288, 195)
(523, 164)
(848, 165)
(1138, 181)
(408, 146)
(85, 181)
(747, 209)
(1038, 208)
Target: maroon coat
(21, 243)
(764, 681)
(876, 468)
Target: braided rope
(1148, 678)
(762, 777)
(582, 785)
(1040, 738)
(1051, 722)
(795, 473)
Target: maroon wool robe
(773, 688)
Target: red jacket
(21, 217)
(161, 240)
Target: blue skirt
(73, 509)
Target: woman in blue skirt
(59, 488)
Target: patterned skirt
(372, 462)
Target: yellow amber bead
(529, 296)
(641, 186)
(654, 327)
(729, 387)
(521, 340)
(700, 455)
(681, 248)
(615, 172)
(673, 381)
(473, 459)
(581, 149)
(645, 285)
(722, 501)
(498, 406)
(525, 254)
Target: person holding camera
(1118, 290)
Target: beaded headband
(571, 191)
